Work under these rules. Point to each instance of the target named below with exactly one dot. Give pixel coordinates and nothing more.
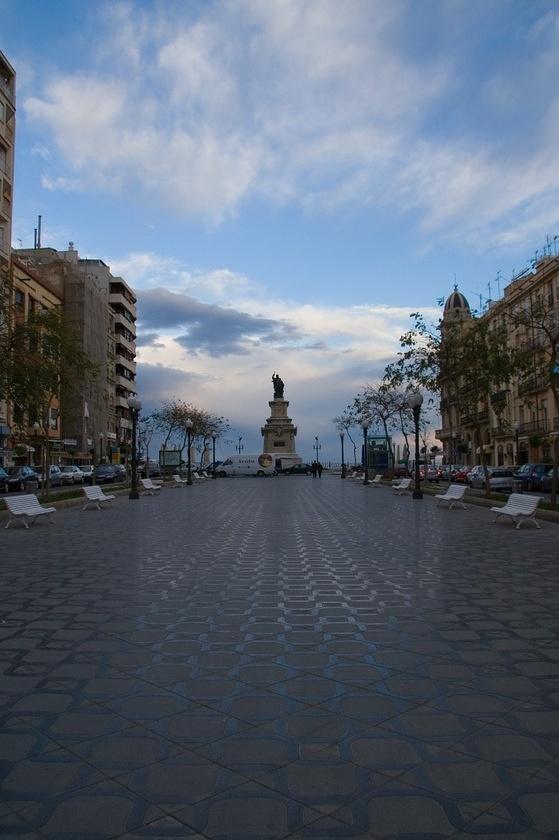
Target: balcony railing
(534, 383)
(501, 432)
(532, 427)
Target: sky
(284, 182)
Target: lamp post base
(133, 494)
(417, 494)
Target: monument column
(279, 432)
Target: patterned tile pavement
(263, 659)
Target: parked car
(3, 480)
(120, 472)
(501, 479)
(18, 475)
(531, 475)
(461, 475)
(87, 470)
(55, 476)
(476, 474)
(71, 474)
(545, 484)
(104, 474)
(298, 469)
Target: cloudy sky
(285, 181)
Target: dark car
(545, 484)
(120, 472)
(104, 474)
(298, 469)
(18, 476)
(531, 475)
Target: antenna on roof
(498, 281)
(34, 237)
(39, 231)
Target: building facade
(7, 142)
(520, 422)
(95, 419)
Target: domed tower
(456, 307)
(457, 317)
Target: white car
(71, 475)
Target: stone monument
(279, 431)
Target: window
(3, 159)
(19, 299)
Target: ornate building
(519, 423)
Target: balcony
(501, 431)
(125, 363)
(123, 317)
(123, 423)
(121, 402)
(128, 345)
(119, 299)
(7, 89)
(532, 384)
(533, 427)
(128, 384)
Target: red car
(460, 476)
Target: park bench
(454, 496)
(149, 487)
(519, 507)
(402, 486)
(27, 507)
(376, 480)
(199, 476)
(95, 496)
(179, 482)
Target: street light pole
(213, 457)
(415, 400)
(317, 447)
(188, 424)
(134, 405)
(365, 427)
(343, 475)
(101, 447)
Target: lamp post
(365, 427)
(213, 457)
(101, 436)
(453, 453)
(516, 426)
(415, 400)
(134, 405)
(188, 424)
(239, 446)
(317, 447)
(343, 475)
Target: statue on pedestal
(278, 386)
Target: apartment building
(7, 141)
(94, 302)
(122, 301)
(519, 423)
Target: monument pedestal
(279, 431)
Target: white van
(247, 465)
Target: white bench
(27, 507)
(95, 496)
(402, 486)
(149, 487)
(179, 482)
(519, 507)
(199, 476)
(454, 496)
(376, 480)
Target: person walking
(314, 467)
(319, 469)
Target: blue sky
(284, 181)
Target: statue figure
(278, 386)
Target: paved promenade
(271, 658)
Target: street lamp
(365, 427)
(213, 457)
(239, 447)
(134, 405)
(453, 453)
(516, 427)
(317, 447)
(101, 436)
(415, 401)
(343, 475)
(188, 424)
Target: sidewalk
(268, 658)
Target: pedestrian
(319, 469)
(314, 466)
